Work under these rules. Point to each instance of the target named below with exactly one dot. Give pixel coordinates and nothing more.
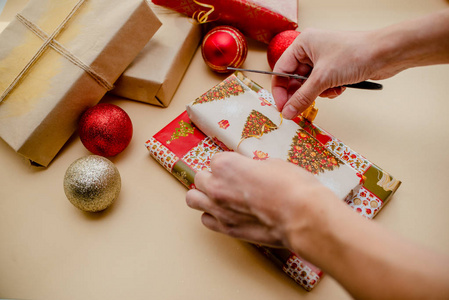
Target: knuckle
(219, 162)
(209, 221)
(217, 193)
(300, 100)
(189, 198)
(321, 75)
(199, 177)
(231, 230)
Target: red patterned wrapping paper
(257, 19)
(183, 150)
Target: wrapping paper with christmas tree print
(235, 115)
(182, 149)
(257, 19)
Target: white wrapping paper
(232, 118)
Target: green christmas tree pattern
(229, 87)
(310, 154)
(257, 124)
(184, 129)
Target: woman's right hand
(330, 59)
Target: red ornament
(222, 47)
(105, 129)
(279, 44)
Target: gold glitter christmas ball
(92, 183)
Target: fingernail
(336, 94)
(289, 112)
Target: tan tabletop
(150, 245)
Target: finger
(233, 230)
(293, 86)
(210, 222)
(227, 184)
(279, 86)
(250, 232)
(228, 217)
(283, 89)
(216, 222)
(227, 165)
(333, 92)
(223, 161)
(289, 63)
(201, 180)
(303, 97)
(198, 200)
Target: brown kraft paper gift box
(59, 57)
(155, 74)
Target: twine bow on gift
(49, 41)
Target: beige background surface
(149, 245)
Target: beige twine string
(49, 41)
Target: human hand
(265, 202)
(330, 60)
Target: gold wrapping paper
(155, 74)
(41, 111)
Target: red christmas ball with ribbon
(278, 44)
(222, 47)
(105, 129)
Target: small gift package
(59, 57)
(257, 19)
(235, 116)
(155, 74)
(183, 149)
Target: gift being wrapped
(237, 117)
(59, 57)
(155, 74)
(183, 149)
(257, 19)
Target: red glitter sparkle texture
(279, 44)
(105, 129)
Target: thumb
(303, 97)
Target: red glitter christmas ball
(105, 129)
(222, 47)
(279, 44)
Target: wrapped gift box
(182, 149)
(155, 74)
(236, 116)
(257, 19)
(59, 57)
